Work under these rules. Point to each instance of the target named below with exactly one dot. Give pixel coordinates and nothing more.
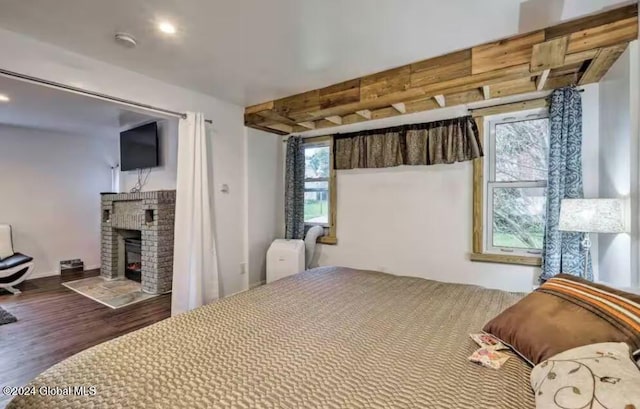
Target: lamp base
(586, 245)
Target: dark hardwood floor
(55, 323)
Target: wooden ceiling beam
(601, 64)
(541, 60)
(550, 54)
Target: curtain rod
(92, 94)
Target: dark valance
(448, 141)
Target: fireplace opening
(133, 259)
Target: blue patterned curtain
(294, 189)
(562, 252)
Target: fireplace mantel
(151, 213)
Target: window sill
(328, 240)
(506, 259)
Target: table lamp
(593, 216)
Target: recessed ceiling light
(4, 98)
(166, 27)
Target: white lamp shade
(593, 215)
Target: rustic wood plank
(591, 21)
(259, 108)
(513, 87)
(386, 112)
(604, 36)
(287, 129)
(266, 129)
(601, 64)
(479, 80)
(549, 54)
(339, 94)
(561, 81)
(419, 105)
(581, 56)
(297, 107)
(542, 79)
(447, 87)
(513, 107)
(384, 83)
(504, 53)
(510, 66)
(443, 68)
(276, 117)
(461, 98)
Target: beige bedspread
(327, 338)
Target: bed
(330, 337)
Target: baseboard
(42, 274)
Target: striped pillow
(609, 304)
(567, 312)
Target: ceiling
(40, 107)
(250, 51)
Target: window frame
(479, 250)
(330, 228)
(491, 184)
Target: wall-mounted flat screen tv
(139, 147)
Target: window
(319, 186)
(516, 186)
(510, 186)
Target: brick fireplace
(146, 218)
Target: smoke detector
(126, 40)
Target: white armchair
(14, 267)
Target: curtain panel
(448, 141)
(294, 189)
(195, 261)
(562, 251)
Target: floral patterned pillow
(593, 376)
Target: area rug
(112, 293)
(6, 318)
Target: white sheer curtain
(195, 263)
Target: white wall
(51, 184)
(265, 195)
(591, 156)
(618, 152)
(164, 176)
(25, 55)
(417, 221)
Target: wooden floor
(55, 323)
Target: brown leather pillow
(567, 312)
